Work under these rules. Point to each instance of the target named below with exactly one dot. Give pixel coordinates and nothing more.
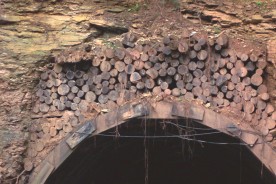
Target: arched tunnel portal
(161, 152)
(165, 142)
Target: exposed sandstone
(255, 19)
(31, 33)
(216, 16)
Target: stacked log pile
(45, 132)
(196, 68)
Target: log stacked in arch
(195, 68)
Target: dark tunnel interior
(162, 157)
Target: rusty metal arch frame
(165, 109)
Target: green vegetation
(137, 6)
(134, 8)
(176, 4)
(108, 43)
(263, 5)
(217, 29)
(259, 3)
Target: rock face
(108, 26)
(242, 16)
(226, 20)
(255, 19)
(30, 33)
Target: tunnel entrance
(161, 152)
